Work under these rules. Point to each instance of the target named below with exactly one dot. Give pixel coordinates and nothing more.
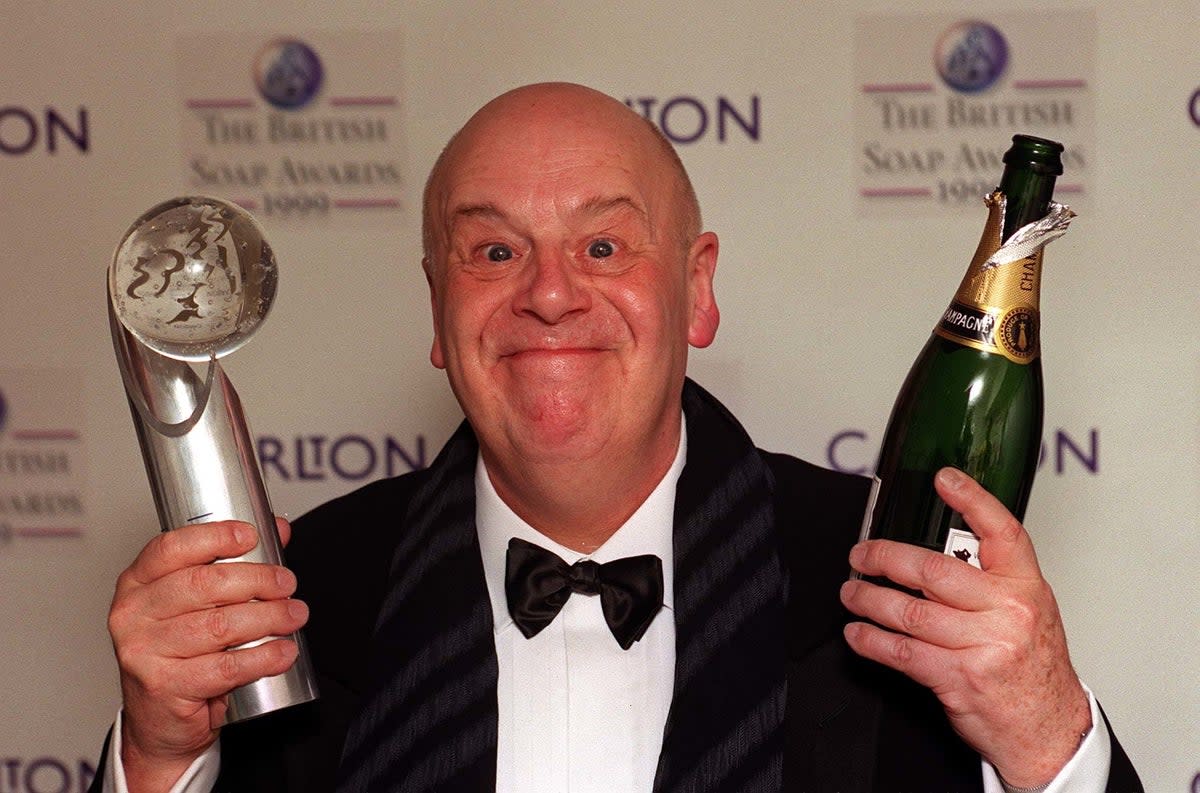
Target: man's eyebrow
(594, 206)
(598, 205)
(476, 210)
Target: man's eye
(600, 249)
(499, 253)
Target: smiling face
(567, 280)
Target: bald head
(546, 119)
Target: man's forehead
(507, 142)
(492, 180)
(596, 206)
(553, 160)
(554, 149)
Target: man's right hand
(172, 617)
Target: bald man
(600, 584)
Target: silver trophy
(190, 282)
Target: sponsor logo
(351, 458)
(1063, 452)
(931, 132)
(26, 131)
(45, 775)
(690, 119)
(42, 480)
(288, 73)
(970, 56)
(286, 147)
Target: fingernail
(857, 554)
(847, 590)
(284, 577)
(951, 478)
(243, 533)
(297, 609)
(288, 649)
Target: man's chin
(557, 435)
(557, 438)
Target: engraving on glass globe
(193, 278)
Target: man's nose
(554, 289)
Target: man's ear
(702, 264)
(435, 353)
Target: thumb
(1004, 545)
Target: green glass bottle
(973, 397)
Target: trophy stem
(202, 467)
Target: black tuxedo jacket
(767, 694)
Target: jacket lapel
(725, 727)
(429, 721)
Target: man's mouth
(552, 351)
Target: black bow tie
(538, 583)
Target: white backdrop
(825, 296)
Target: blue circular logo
(970, 56)
(288, 73)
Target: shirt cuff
(200, 776)
(1085, 772)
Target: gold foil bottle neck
(1000, 288)
(1003, 287)
(989, 241)
(996, 308)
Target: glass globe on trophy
(193, 278)
(191, 281)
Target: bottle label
(1012, 333)
(996, 307)
(964, 545)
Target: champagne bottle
(973, 397)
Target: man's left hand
(989, 643)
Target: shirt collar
(648, 530)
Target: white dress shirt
(576, 713)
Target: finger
(926, 664)
(212, 630)
(216, 674)
(196, 544)
(920, 618)
(941, 577)
(1004, 545)
(210, 585)
(284, 529)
